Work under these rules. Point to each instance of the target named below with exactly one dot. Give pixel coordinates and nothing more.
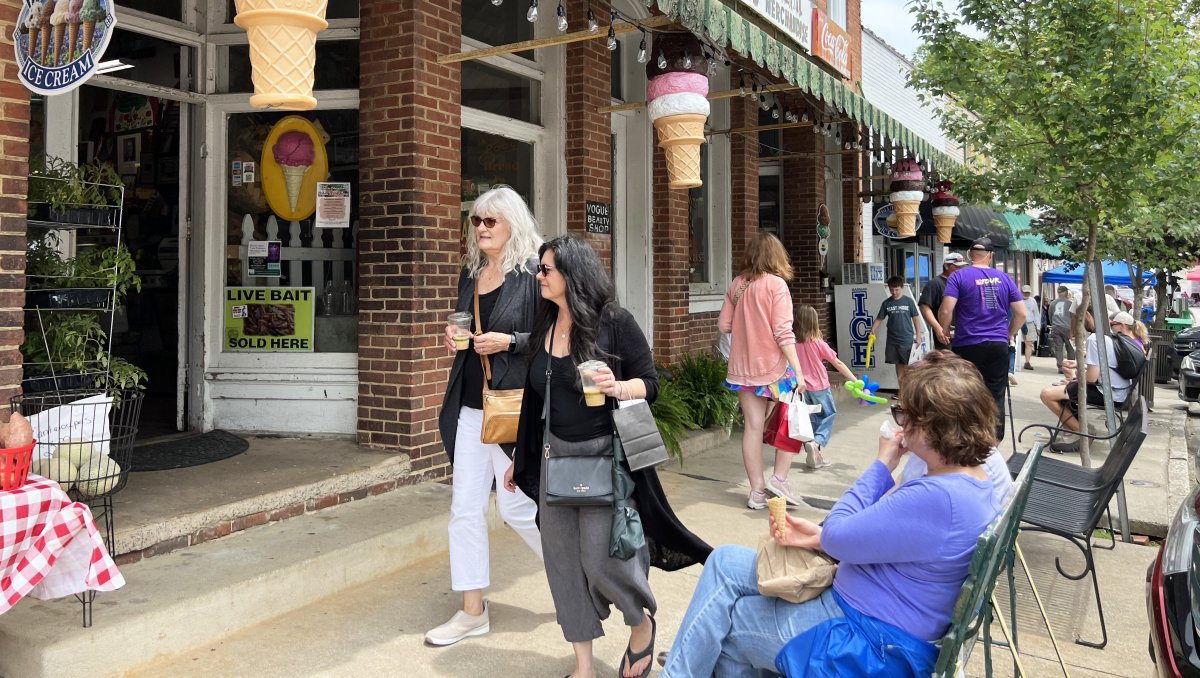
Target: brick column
(803, 192)
(588, 142)
(14, 172)
(670, 243)
(743, 178)
(852, 233)
(409, 232)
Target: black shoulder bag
(580, 473)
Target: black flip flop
(632, 658)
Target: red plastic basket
(14, 466)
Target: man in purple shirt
(979, 299)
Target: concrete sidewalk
(377, 627)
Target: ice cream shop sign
(58, 43)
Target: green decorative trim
(756, 45)
(804, 76)
(772, 57)
(670, 8)
(691, 14)
(737, 33)
(716, 21)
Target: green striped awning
(1025, 240)
(719, 23)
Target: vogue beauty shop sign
(58, 43)
(830, 43)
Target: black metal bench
(1069, 500)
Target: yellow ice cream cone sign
(293, 161)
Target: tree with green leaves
(1085, 107)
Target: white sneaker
(810, 455)
(757, 500)
(461, 625)
(780, 488)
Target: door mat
(190, 451)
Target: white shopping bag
(918, 351)
(799, 423)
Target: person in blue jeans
(903, 560)
(812, 351)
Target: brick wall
(588, 143)
(852, 217)
(743, 178)
(803, 191)
(703, 332)
(670, 244)
(409, 231)
(14, 168)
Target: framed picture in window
(129, 153)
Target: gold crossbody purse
(501, 407)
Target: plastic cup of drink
(592, 395)
(461, 322)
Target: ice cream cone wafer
(906, 217)
(60, 31)
(89, 31)
(778, 508)
(945, 226)
(33, 38)
(293, 177)
(283, 40)
(72, 39)
(680, 137)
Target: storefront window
(303, 258)
(770, 202)
(154, 61)
(836, 10)
(500, 92)
(769, 141)
(489, 160)
(338, 9)
(699, 226)
(487, 23)
(167, 9)
(336, 67)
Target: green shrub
(672, 416)
(700, 379)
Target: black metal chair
(1069, 500)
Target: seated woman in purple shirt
(904, 554)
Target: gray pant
(1060, 340)
(584, 580)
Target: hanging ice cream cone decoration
(33, 24)
(283, 43)
(677, 103)
(45, 30)
(945, 211)
(90, 14)
(907, 184)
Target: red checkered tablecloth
(49, 546)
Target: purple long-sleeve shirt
(904, 556)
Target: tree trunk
(1135, 282)
(1162, 300)
(1085, 450)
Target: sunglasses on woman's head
(490, 222)
(899, 415)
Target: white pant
(476, 465)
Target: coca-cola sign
(830, 43)
(790, 16)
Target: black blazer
(513, 314)
(672, 546)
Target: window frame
(836, 11)
(706, 297)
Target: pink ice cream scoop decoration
(677, 103)
(905, 184)
(945, 210)
(294, 152)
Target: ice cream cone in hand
(778, 508)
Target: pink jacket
(761, 325)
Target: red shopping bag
(775, 431)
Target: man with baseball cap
(1033, 323)
(978, 299)
(1062, 400)
(1061, 328)
(931, 296)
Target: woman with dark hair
(498, 283)
(763, 363)
(581, 321)
(903, 555)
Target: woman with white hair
(498, 284)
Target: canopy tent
(1193, 274)
(1115, 273)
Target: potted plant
(86, 281)
(63, 192)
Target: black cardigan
(672, 546)
(513, 314)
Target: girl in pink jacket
(763, 364)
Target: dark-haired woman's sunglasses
(899, 415)
(490, 222)
(544, 270)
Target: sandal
(632, 657)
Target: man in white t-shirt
(1062, 400)
(1033, 323)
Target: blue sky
(890, 20)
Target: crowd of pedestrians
(539, 311)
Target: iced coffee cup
(592, 395)
(461, 322)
